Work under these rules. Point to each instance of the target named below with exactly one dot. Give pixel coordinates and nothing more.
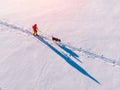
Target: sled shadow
(67, 59)
(69, 51)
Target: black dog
(56, 39)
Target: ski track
(37, 80)
(15, 27)
(94, 55)
(82, 50)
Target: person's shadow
(67, 59)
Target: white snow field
(88, 58)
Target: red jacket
(35, 27)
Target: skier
(35, 28)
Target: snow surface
(87, 59)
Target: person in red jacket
(35, 28)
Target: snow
(87, 59)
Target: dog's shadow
(67, 59)
(69, 51)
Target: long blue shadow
(67, 59)
(69, 51)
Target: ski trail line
(15, 27)
(102, 57)
(87, 52)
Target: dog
(56, 39)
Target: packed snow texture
(88, 58)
